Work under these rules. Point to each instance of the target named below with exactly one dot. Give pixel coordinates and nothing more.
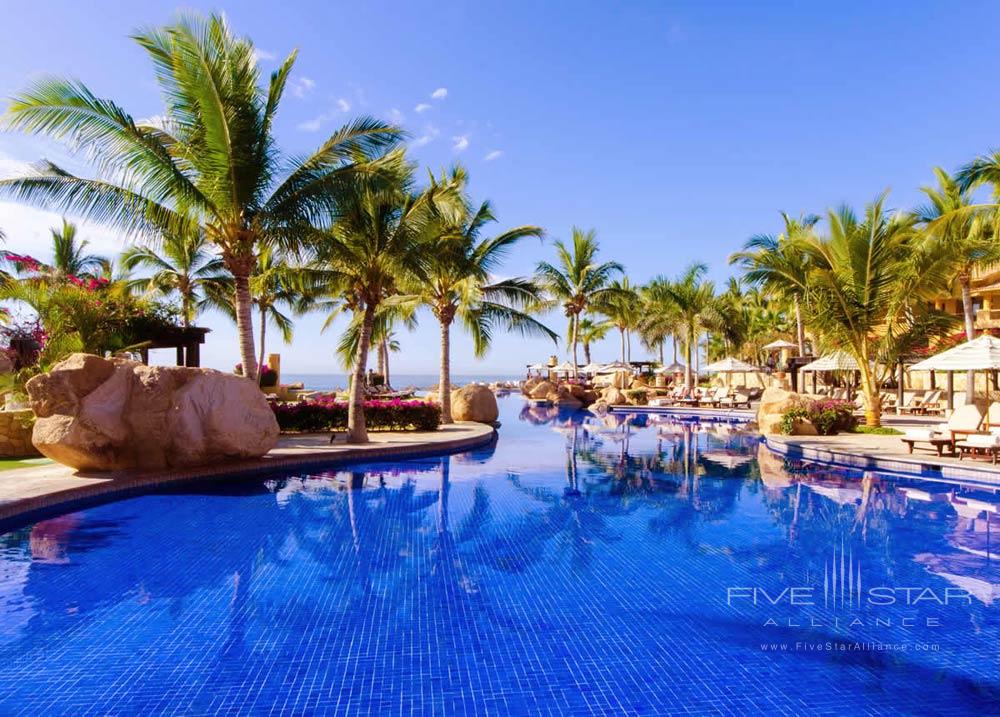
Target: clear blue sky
(676, 130)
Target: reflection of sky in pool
(580, 566)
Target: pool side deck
(29, 492)
(885, 454)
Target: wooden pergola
(187, 340)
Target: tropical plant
(590, 332)
(624, 312)
(659, 320)
(870, 283)
(693, 300)
(379, 237)
(181, 265)
(459, 282)
(777, 264)
(69, 257)
(577, 280)
(209, 161)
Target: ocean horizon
(338, 381)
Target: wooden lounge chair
(736, 400)
(964, 421)
(987, 443)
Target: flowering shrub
(328, 414)
(23, 343)
(829, 416)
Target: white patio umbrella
(779, 345)
(564, 367)
(614, 367)
(836, 361)
(980, 354)
(672, 368)
(591, 368)
(729, 365)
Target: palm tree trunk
(673, 345)
(356, 431)
(576, 331)
(873, 399)
(244, 323)
(380, 359)
(263, 334)
(586, 352)
(800, 329)
(444, 387)
(660, 347)
(186, 309)
(628, 346)
(970, 330)
(688, 378)
(385, 361)
(621, 333)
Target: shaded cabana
(836, 361)
(185, 340)
(980, 354)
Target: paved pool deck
(885, 454)
(28, 493)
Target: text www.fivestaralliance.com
(849, 646)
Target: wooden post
(193, 355)
(933, 380)
(180, 355)
(951, 390)
(144, 355)
(899, 388)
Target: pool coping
(917, 466)
(115, 485)
(738, 414)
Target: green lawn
(7, 464)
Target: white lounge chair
(964, 421)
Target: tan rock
(100, 414)
(613, 396)
(773, 404)
(541, 389)
(530, 384)
(563, 396)
(474, 403)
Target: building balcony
(988, 319)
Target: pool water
(627, 565)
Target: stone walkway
(26, 491)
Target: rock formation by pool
(108, 414)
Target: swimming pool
(580, 566)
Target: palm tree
(460, 283)
(623, 310)
(693, 298)
(379, 238)
(578, 280)
(870, 287)
(182, 264)
(591, 331)
(276, 287)
(69, 257)
(966, 235)
(210, 161)
(967, 238)
(659, 320)
(778, 265)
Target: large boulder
(110, 414)
(563, 396)
(773, 404)
(529, 384)
(541, 390)
(474, 403)
(613, 396)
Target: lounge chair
(736, 400)
(964, 421)
(988, 443)
(919, 404)
(716, 397)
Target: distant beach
(424, 381)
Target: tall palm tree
(460, 284)
(591, 331)
(210, 161)
(659, 320)
(69, 255)
(623, 310)
(967, 238)
(277, 288)
(577, 280)
(182, 264)
(871, 283)
(693, 298)
(966, 234)
(777, 264)
(379, 239)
